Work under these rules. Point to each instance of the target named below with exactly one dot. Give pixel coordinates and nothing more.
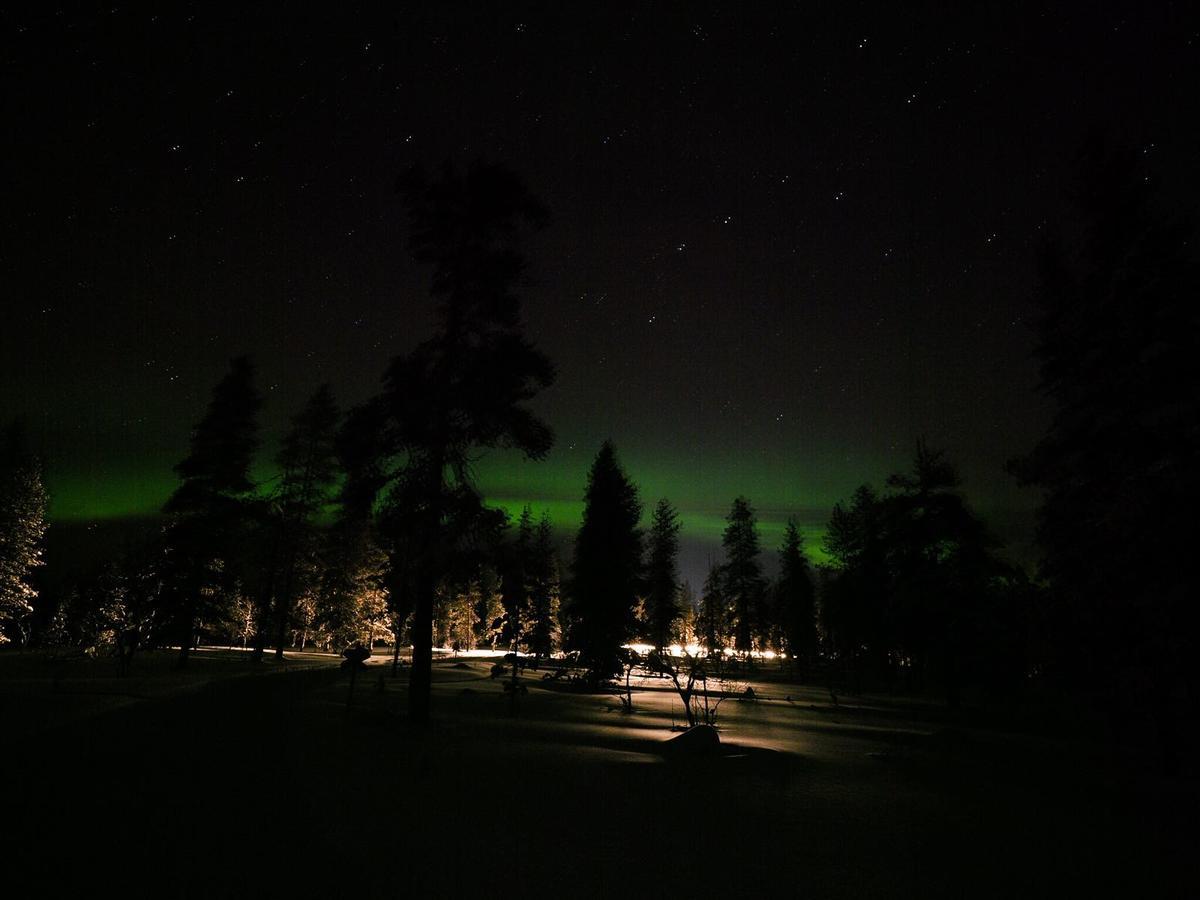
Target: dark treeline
(374, 531)
(1119, 347)
(915, 593)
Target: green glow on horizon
(702, 526)
(702, 493)
(702, 485)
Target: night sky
(786, 239)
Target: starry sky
(786, 240)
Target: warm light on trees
(23, 502)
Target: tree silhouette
(743, 585)
(210, 510)
(357, 558)
(607, 567)
(1119, 346)
(712, 623)
(466, 387)
(308, 465)
(662, 574)
(515, 583)
(23, 503)
(795, 601)
(940, 565)
(542, 589)
(910, 576)
(855, 596)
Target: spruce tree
(210, 510)
(684, 631)
(662, 574)
(743, 585)
(308, 465)
(712, 621)
(464, 389)
(939, 564)
(1119, 347)
(606, 571)
(516, 582)
(795, 598)
(855, 593)
(543, 591)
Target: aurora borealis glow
(785, 244)
(702, 490)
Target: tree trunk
(189, 631)
(283, 603)
(420, 677)
(260, 644)
(263, 607)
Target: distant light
(694, 649)
(477, 654)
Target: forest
(591, 450)
(374, 534)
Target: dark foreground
(267, 783)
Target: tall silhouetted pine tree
(308, 469)
(1119, 345)
(210, 509)
(22, 528)
(465, 388)
(855, 596)
(742, 580)
(940, 563)
(358, 559)
(662, 574)
(607, 568)
(795, 601)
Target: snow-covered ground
(273, 784)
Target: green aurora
(702, 486)
(554, 487)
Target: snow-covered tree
(22, 527)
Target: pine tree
(360, 566)
(855, 594)
(210, 509)
(516, 582)
(23, 502)
(489, 608)
(712, 622)
(464, 389)
(662, 574)
(743, 585)
(606, 571)
(939, 562)
(795, 601)
(351, 583)
(543, 591)
(1119, 346)
(461, 628)
(308, 465)
(685, 630)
